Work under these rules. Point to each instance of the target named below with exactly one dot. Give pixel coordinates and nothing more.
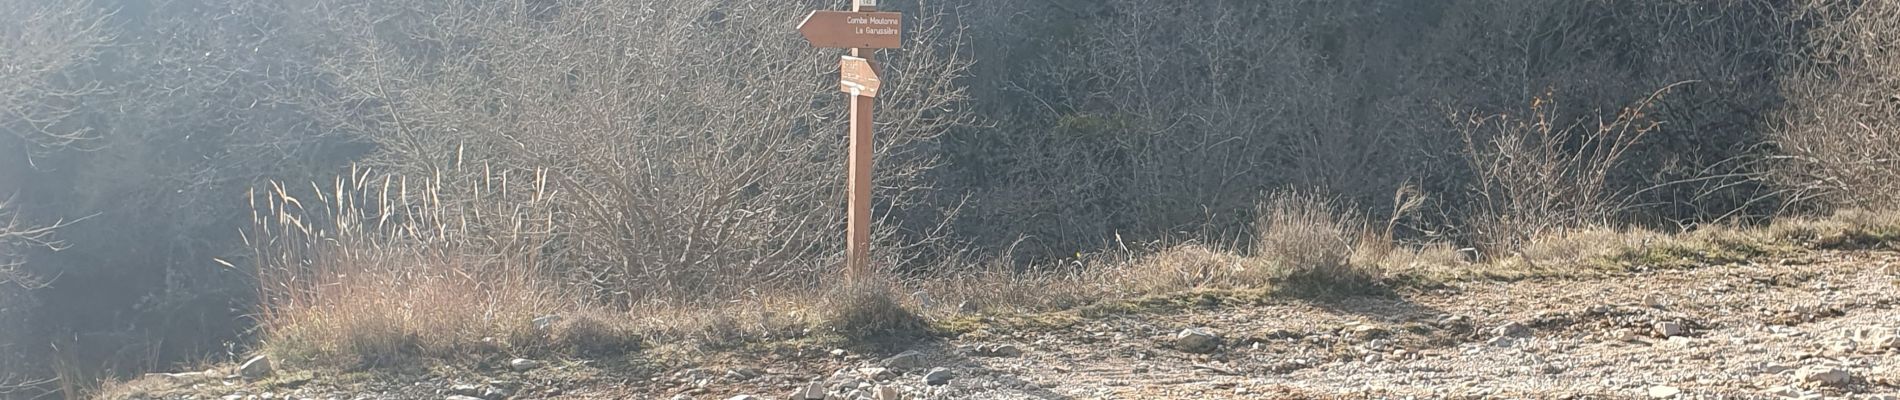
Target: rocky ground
(1821, 325)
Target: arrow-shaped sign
(847, 29)
(855, 76)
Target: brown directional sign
(857, 77)
(848, 29)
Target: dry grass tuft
(1301, 232)
(867, 312)
(765, 317)
(1188, 267)
(592, 335)
(1845, 229)
(1312, 242)
(1578, 245)
(871, 313)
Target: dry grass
(1184, 270)
(1845, 229)
(1308, 239)
(378, 271)
(871, 313)
(699, 326)
(1583, 244)
(381, 312)
(590, 334)
(1305, 245)
(353, 279)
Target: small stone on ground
(255, 368)
(1197, 340)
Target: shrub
(47, 44)
(1837, 131)
(19, 373)
(1535, 175)
(1117, 124)
(689, 149)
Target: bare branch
(43, 42)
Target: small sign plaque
(857, 77)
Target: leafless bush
(1127, 123)
(1838, 131)
(1535, 174)
(1121, 122)
(150, 123)
(44, 43)
(16, 238)
(20, 376)
(691, 148)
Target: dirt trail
(1748, 331)
(1822, 325)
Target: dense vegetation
(180, 171)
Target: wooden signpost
(863, 30)
(854, 29)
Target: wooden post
(858, 232)
(863, 30)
